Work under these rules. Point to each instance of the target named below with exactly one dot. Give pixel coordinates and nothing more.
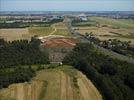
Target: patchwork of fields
(106, 28)
(53, 84)
(26, 33)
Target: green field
(40, 31)
(63, 32)
(121, 23)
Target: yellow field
(101, 30)
(53, 84)
(14, 34)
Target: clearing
(58, 47)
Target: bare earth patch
(62, 42)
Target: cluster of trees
(15, 56)
(13, 25)
(118, 46)
(113, 78)
(92, 38)
(15, 75)
(55, 21)
(22, 52)
(78, 22)
(28, 24)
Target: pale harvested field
(107, 28)
(87, 89)
(59, 87)
(101, 30)
(14, 34)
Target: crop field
(55, 29)
(107, 28)
(40, 31)
(121, 23)
(53, 84)
(61, 29)
(11, 34)
(63, 32)
(14, 34)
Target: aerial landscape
(66, 50)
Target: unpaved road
(59, 87)
(55, 29)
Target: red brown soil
(59, 42)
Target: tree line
(113, 78)
(28, 24)
(22, 52)
(16, 59)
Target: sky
(66, 5)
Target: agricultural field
(106, 28)
(61, 29)
(11, 34)
(55, 29)
(61, 83)
(40, 31)
(14, 34)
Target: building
(83, 17)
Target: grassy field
(55, 29)
(121, 23)
(61, 29)
(60, 83)
(40, 31)
(63, 32)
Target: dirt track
(55, 29)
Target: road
(103, 50)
